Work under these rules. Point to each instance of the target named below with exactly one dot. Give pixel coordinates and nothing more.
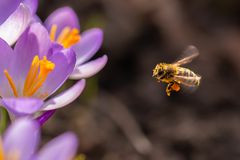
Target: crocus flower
(7, 7)
(15, 17)
(32, 5)
(64, 29)
(21, 139)
(32, 72)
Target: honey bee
(175, 75)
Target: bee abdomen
(187, 77)
(185, 72)
(193, 81)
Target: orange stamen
(67, 37)
(31, 74)
(37, 75)
(1, 151)
(71, 39)
(11, 83)
(63, 35)
(53, 32)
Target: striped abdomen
(187, 77)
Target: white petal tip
(89, 69)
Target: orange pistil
(67, 36)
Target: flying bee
(175, 75)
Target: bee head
(159, 71)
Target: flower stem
(3, 119)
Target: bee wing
(192, 53)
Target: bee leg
(175, 86)
(169, 88)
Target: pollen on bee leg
(175, 87)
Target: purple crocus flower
(32, 71)
(7, 7)
(15, 17)
(32, 5)
(64, 27)
(21, 139)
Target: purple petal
(89, 69)
(45, 116)
(7, 7)
(36, 18)
(62, 17)
(22, 106)
(35, 41)
(64, 63)
(89, 44)
(15, 25)
(21, 138)
(32, 5)
(56, 47)
(66, 97)
(6, 54)
(63, 147)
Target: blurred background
(124, 113)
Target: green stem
(3, 119)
